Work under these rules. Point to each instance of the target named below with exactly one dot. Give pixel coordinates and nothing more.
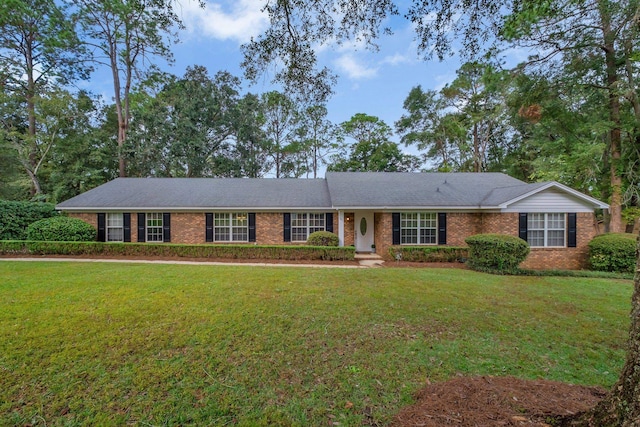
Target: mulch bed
(496, 401)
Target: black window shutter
(522, 227)
(287, 227)
(328, 222)
(442, 228)
(102, 228)
(166, 227)
(142, 220)
(252, 227)
(572, 240)
(395, 228)
(126, 226)
(208, 230)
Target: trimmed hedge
(61, 229)
(613, 252)
(498, 253)
(429, 253)
(15, 217)
(323, 238)
(291, 253)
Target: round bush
(61, 229)
(323, 238)
(613, 252)
(496, 252)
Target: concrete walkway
(364, 261)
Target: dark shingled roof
(339, 190)
(396, 189)
(190, 193)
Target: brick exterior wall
(269, 228)
(566, 258)
(349, 228)
(186, 228)
(189, 228)
(462, 225)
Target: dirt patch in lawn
(496, 401)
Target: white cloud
(396, 59)
(228, 20)
(354, 69)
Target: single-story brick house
(363, 208)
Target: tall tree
(182, 129)
(281, 119)
(82, 156)
(476, 95)
(372, 149)
(127, 36)
(38, 46)
(317, 134)
(441, 134)
(248, 152)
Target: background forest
(569, 114)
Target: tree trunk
(476, 149)
(31, 113)
(621, 407)
(615, 135)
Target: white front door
(363, 231)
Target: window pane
(298, 234)
(555, 221)
(239, 219)
(154, 227)
(221, 234)
(409, 236)
(115, 224)
(409, 220)
(535, 221)
(115, 234)
(535, 237)
(114, 220)
(428, 236)
(298, 220)
(555, 238)
(427, 220)
(221, 220)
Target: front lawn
(105, 343)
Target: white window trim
(111, 227)
(419, 229)
(148, 228)
(307, 227)
(546, 230)
(231, 227)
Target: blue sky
(375, 83)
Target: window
(231, 227)
(418, 228)
(154, 227)
(115, 227)
(303, 224)
(546, 229)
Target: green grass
(96, 344)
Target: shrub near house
(496, 252)
(613, 252)
(61, 229)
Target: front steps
(369, 259)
